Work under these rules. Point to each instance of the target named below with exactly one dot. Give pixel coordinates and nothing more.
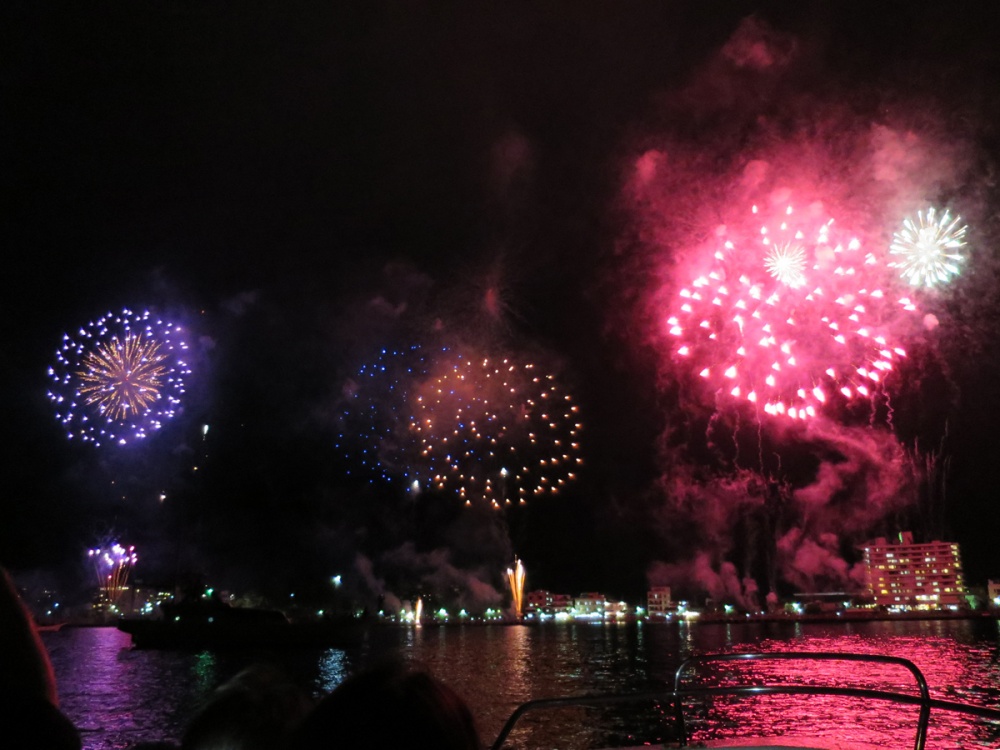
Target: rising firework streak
(516, 578)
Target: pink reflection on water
(955, 671)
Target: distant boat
(52, 627)
(215, 625)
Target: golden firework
(123, 378)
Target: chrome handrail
(678, 694)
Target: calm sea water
(118, 696)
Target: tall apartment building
(915, 576)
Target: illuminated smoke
(782, 335)
(436, 572)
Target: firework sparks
(376, 432)
(123, 377)
(928, 248)
(787, 263)
(119, 378)
(495, 430)
(483, 428)
(516, 579)
(788, 347)
(113, 565)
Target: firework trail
(119, 377)
(485, 429)
(792, 313)
(113, 565)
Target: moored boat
(215, 625)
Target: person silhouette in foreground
(255, 710)
(389, 706)
(29, 703)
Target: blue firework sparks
(119, 378)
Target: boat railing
(680, 693)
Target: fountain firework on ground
(112, 565)
(516, 579)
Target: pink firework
(790, 314)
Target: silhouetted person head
(389, 706)
(29, 703)
(256, 710)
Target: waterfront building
(658, 604)
(822, 602)
(616, 611)
(993, 592)
(908, 575)
(591, 605)
(544, 604)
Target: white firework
(787, 263)
(928, 249)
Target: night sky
(303, 186)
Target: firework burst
(928, 248)
(787, 263)
(112, 565)
(790, 315)
(123, 377)
(495, 430)
(375, 430)
(119, 378)
(484, 429)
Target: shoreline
(701, 619)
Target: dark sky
(302, 185)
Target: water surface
(118, 696)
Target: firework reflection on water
(118, 696)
